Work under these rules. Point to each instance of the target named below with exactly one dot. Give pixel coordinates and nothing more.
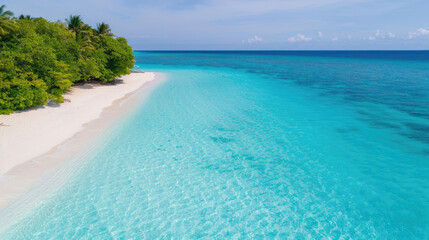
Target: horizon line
(303, 50)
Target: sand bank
(31, 142)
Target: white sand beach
(29, 134)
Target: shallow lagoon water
(239, 145)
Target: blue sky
(250, 24)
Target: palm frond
(4, 13)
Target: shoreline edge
(104, 105)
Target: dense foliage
(40, 60)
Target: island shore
(34, 141)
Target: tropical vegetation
(40, 60)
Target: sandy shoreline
(32, 142)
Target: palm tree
(83, 34)
(22, 16)
(6, 24)
(74, 23)
(85, 45)
(103, 29)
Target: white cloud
(335, 39)
(320, 34)
(379, 34)
(299, 37)
(422, 31)
(419, 32)
(254, 39)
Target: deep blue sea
(257, 145)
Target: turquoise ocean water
(257, 145)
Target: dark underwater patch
(222, 139)
(384, 124)
(417, 136)
(418, 127)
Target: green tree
(22, 16)
(103, 29)
(74, 23)
(6, 23)
(83, 35)
(40, 60)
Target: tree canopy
(40, 60)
